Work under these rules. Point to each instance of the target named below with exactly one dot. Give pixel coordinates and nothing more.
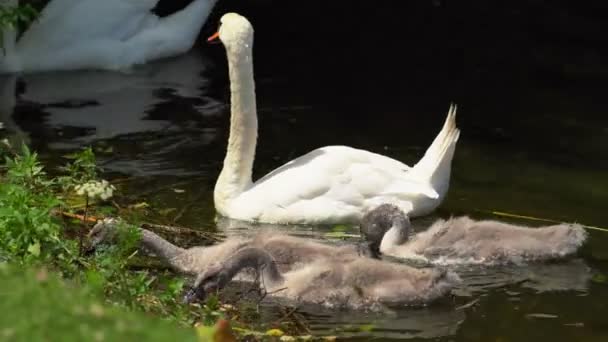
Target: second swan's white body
(101, 34)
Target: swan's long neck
(236, 173)
(255, 258)
(161, 247)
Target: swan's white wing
(66, 22)
(330, 184)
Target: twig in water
(467, 305)
(76, 216)
(183, 230)
(289, 313)
(504, 214)
(158, 189)
(172, 229)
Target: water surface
(537, 151)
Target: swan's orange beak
(214, 37)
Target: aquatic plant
(43, 222)
(12, 16)
(29, 233)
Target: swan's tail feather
(436, 164)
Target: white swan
(333, 184)
(108, 34)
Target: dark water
(527, 147)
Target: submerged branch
(214, 237)
(532, 218)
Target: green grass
(39, 306)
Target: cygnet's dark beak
(193, 295)
(89, 248)
(368, 249)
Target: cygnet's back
(291, 251)
(196, 259)
(288, 251)
(495, 242)
(364, 283)
(357, 283)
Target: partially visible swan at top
(359, 283)
(93, 34)
(333, 184)
(464, 240)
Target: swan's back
(123, 33)
(64, 23)
(493, 241)
(335, 184)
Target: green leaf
(275, 332)
(599, 279)
(34, 249)
(367, 327)
(339, 228)
(205, 333)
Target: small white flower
(96, 189)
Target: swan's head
(235, 32)
(386, 219)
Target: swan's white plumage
(333, 184)
(108, 34)
(330, 184)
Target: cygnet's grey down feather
(357, 283)
(303, 270)
(464, 240)
(287, 251)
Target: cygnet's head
(212, 280)
(235, 32)
(377, 222)
(104, 231)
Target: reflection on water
(69, 110)
(569, 275)
(164, 127)
(429, 322)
